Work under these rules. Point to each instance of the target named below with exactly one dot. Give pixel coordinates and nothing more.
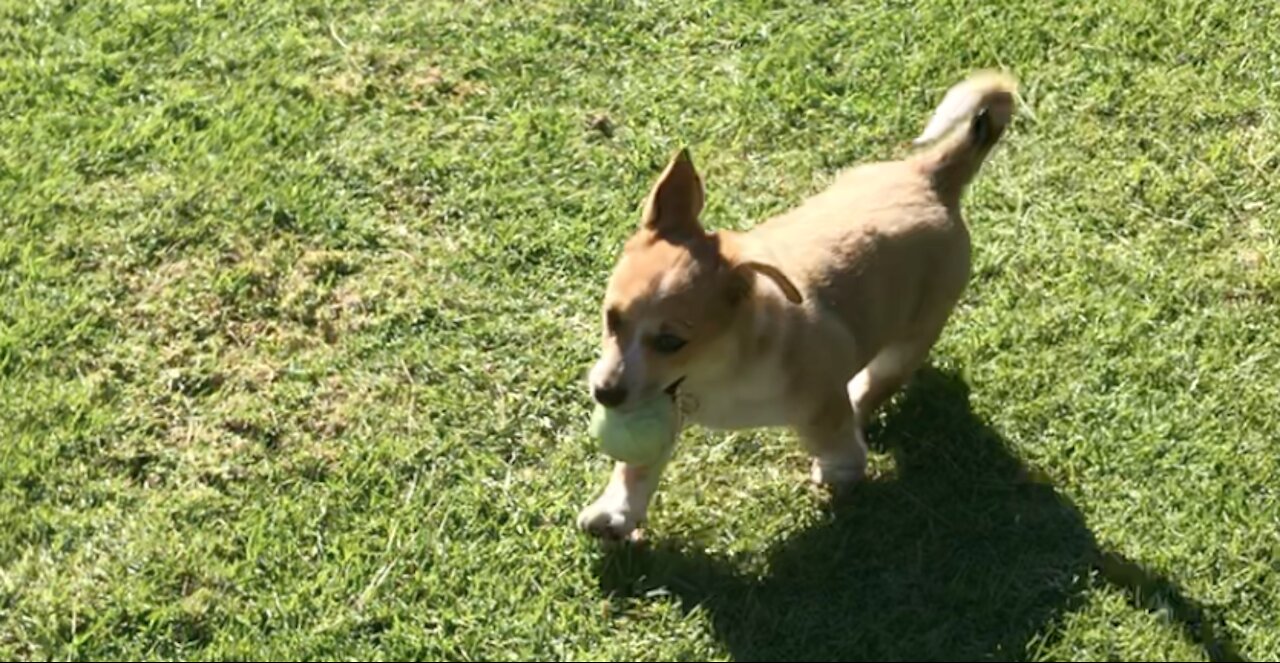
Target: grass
(298, 299)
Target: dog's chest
(755, 398)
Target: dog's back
(885, 248)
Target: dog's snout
(609, 396)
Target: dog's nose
(609, 396)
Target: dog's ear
(745, 266)
(774, 274)
(745, 273)
(675, 202)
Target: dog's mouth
(674, 388)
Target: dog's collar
(686, 403)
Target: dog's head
(673, 294)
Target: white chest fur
(752, 397)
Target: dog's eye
(667, 343)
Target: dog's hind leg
(837, 439)
(885, 374)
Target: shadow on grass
(961, 554)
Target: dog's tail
(984, 103)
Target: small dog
(810, 320)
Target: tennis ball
(639, 436)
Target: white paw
(608, 519)
(837, 473)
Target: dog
(811, 320)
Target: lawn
(297, 301)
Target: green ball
(639, 436)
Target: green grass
(298, 299)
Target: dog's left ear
(748, 269)
(676, 200)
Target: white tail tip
(961, 102)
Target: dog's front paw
(608, 520)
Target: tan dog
(812, 319)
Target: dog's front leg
(625, 501)
(836, 441)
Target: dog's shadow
(961, 553)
